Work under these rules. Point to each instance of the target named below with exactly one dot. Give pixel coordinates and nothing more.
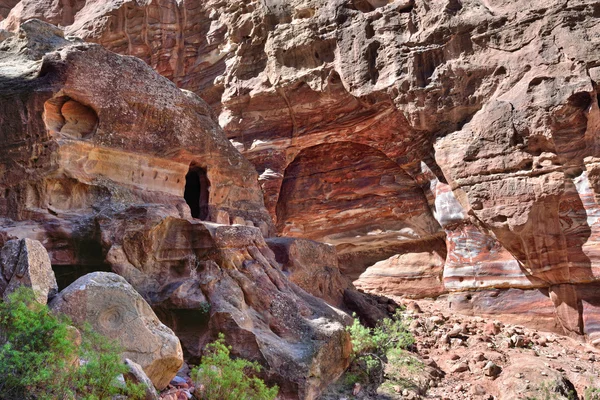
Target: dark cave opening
(79, 256)
(196, 191)
(190, 326)
(67, 274)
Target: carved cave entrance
(196, 191)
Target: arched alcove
(69, 117)
(196, 191)
(345, 187)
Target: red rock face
(5, 7)
(487, 112)
(192, 45)
(102, 159)
(382, 205)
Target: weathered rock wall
(269, 70)
(98, 156)
(475, 121)
(74, 140)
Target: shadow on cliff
(551, 248)
(559, 259)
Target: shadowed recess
(196, 191)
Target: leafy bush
(382, 351)
(219, 377)
(592, 393)
(371, 345)
(40, 356)
(557, 390)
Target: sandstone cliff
(113, 168)
(419, 130)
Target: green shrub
(383, 348)
(592, 393)
(557, 390)
(219, 377)
(40, 356)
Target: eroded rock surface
(284, 80)
(208, 278)
(314, 267)
(88, 145)
(115, 168)
(75, 149)
(384, 127)
(114, 309)
(25, 262)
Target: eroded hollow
(69, 117)
(196, 191)
(67, 274)
(83, 255)
(190, 326)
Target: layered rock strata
(112, 167)
(480, 118)
(284, 102)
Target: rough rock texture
(137, 376)
(114, 309)
(114, 168)
(278, 74)
(25, 262)
(313, 266)
(76, 150)
(474, 120)
(478, 358)
(208, 278)
(86, 148)
(411, 274)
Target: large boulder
(204, 279)
(114, 309)
(25, 262)
(313, 266)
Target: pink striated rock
(516, 306)
(383, 127)
(411, 274)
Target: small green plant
(592, 393)
(372, 344)
(350, 379)
(382, 348)
(205, 307)
(220, 377)
(40, 356)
